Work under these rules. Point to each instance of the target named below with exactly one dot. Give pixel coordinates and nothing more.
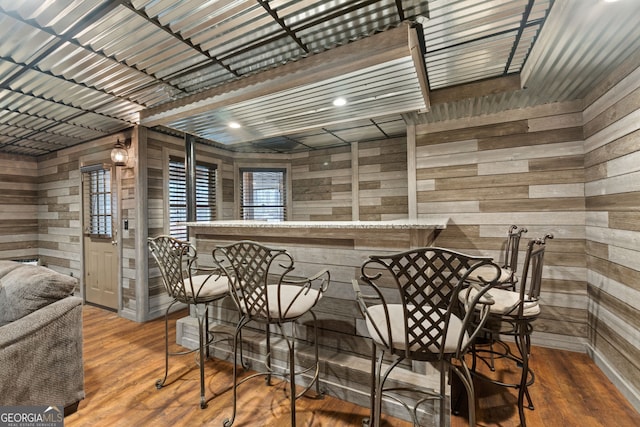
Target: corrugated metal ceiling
(75, 70)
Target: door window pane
(97, 199)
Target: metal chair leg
(370, 422)
(201, 313)
(466, 378)
(316, 377)
(229, 421)
(443, 384)
(523, 342)
(160, 382)
(292, 379)
(268, 357)
(379, 381)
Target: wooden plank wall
(59, 203)
(41, 205)
(321, 185)
(612, 168)
(382, 176)
(322, 182)
(525, 168)
(59, 211)
(19, 213)
(126, 178)
(157, 224)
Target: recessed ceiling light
(339, 102)
(234, 125)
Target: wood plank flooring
(124, 358)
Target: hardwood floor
(123, 359)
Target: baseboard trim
(627, 390)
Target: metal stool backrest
(176, 260)
(251, 267)
(512, 247)
(531, 282)
(428, 281)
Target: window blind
(206, 177)
(263, 194)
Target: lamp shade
(119, 155)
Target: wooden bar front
(341, 247)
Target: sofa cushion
(27, 288)
(7, 266)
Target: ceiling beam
(516, 42)
(417, 55)
(475, 89)
(380, 48)
(284, 26)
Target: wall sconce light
(119, 154)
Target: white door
(100, 245)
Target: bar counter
(341, 247)
(394, 224)
(384, 235)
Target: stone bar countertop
(399, 224)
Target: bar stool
(189, 284)
(265, 290)
(507, 280)
(512, 314)
(508, 277)
(409, 302)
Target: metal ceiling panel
(387, 88)
(475, 40)
(319, 139)
(72, 70)
(11, 131)
(20, 40)
(572, 58)
(362, 133)
(333, 23)
(392, 126)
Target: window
(263, 194)
(205, 195)
(97, 200)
